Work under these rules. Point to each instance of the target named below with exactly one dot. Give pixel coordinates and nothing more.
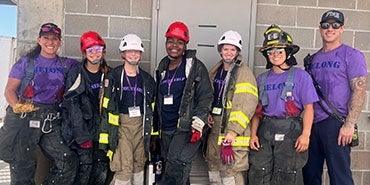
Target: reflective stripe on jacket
(239, 98)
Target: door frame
(154, 35)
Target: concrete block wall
(300, 18)
(112, 19)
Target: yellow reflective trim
(154, 133)
(246, 88)
(273, 29)
(105, 102)
(239, 140)
(229, 104)
(103, 138)
(153, 104)
(239, 117)
(110, 155)
(272, 42)
(113, 119)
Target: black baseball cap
(333, 14)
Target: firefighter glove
(226, 153)
(196, 136)
(197, 124)
(24, 107)
(86, 145)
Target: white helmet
(231, 37)
(131, 42)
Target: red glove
(195, 137)
(86, 145)
(226, 153)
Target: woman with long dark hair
(34, 91)
(82, 102)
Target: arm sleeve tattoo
(358, 86)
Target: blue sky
(8, 20)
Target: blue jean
(324, 146)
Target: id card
(279, 137)
(34, 124)
(134, 111)
(168, 99)
(216, 110)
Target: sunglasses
(97, 49)
(49, 27)
(335, 25)
(272, 51)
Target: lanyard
(221, 86)
(134, 89)
(170, 81)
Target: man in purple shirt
(341, 72)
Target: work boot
(120, 182)
(228, 180)
(214, 177)
(138, 178)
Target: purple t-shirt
(48, 76)
(303, 91)
(333, 70)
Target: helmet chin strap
(173, 58)
(279, 66)
(134, 63)
(284, 69)
(97, 61)
(229, 60)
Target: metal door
(207, 21)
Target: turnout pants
(129, 157)
(20, 135)
(213, 159)
(277, 162)
(180, 155)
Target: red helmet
(178, 30)
(89, 39)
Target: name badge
(168, 99)
(279, 137)
(216, 110)
(134, 111)
(34, 124)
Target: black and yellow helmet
(276, 37)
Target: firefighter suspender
(30, 74)
(286, 94)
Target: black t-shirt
(132, 93)
(176, 79)
(94, 88)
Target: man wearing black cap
(336, 67)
